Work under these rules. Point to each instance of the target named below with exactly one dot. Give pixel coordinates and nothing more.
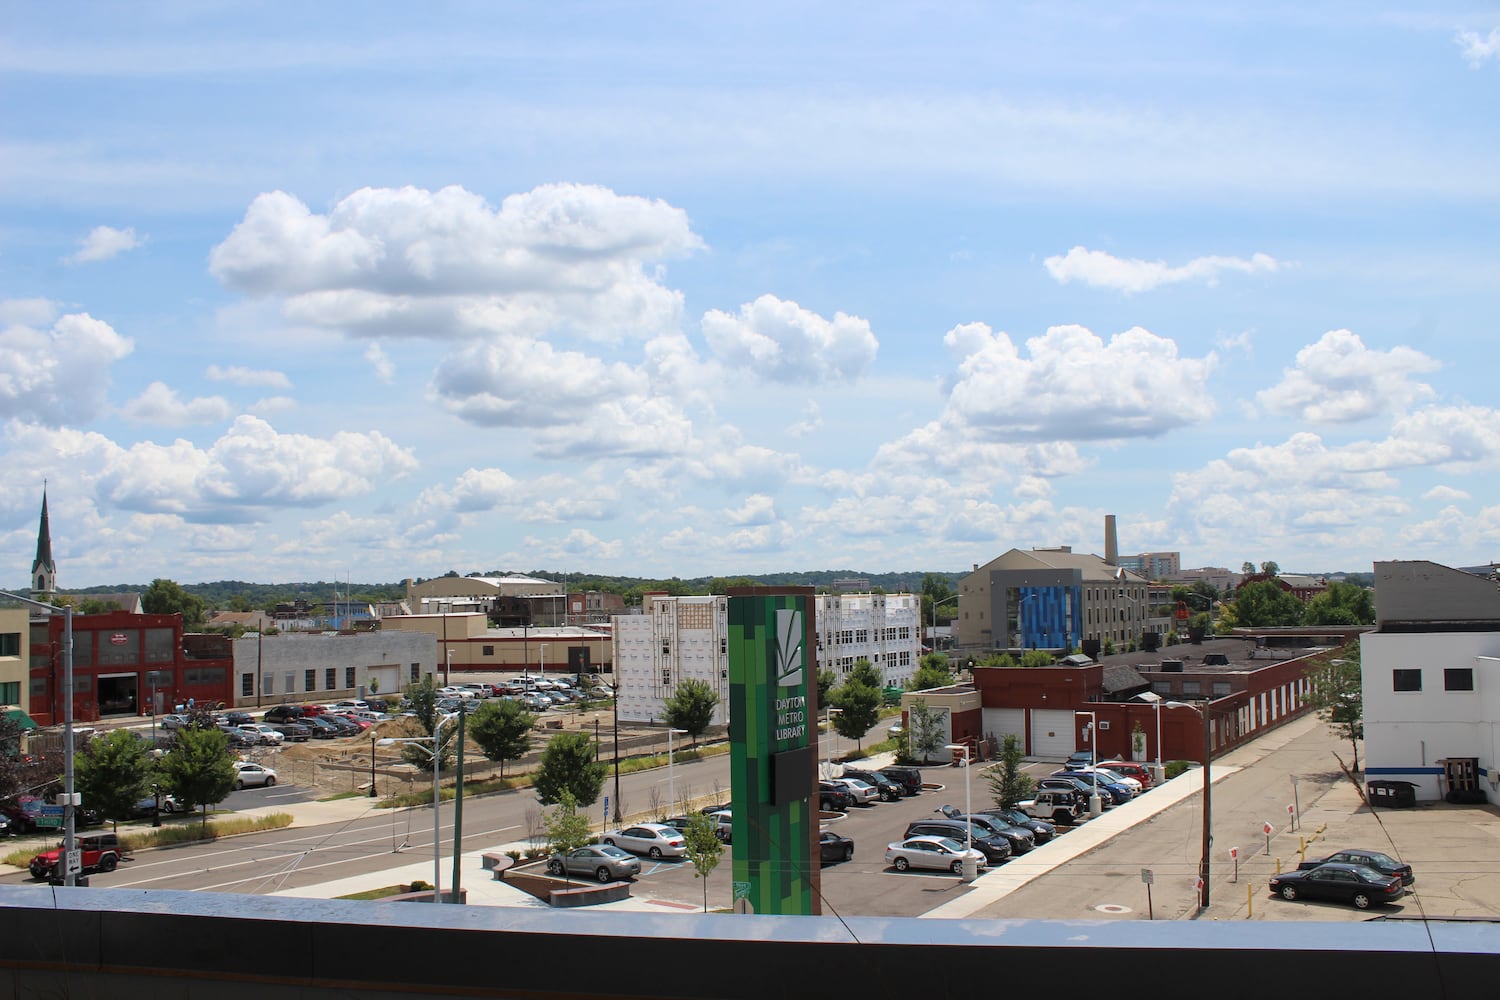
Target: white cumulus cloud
(1446, 494)
(1074, 386)
(380, 363)
(782, 342)
(58, 375)
(1338, 379)
(160, 404)
(1477, 48)
(1103, 270)
(240, 375)
(446, 264)
(103, 243)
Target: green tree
(166, 597)
(859, 709)
(925, 727)
(1247, 568)
(1270, 568)
(930, 675)
(1036, 658)
(826, 681)
(704, 849)
(1008, 783)
(864, 672)
(423, 696)
(113, 773)
(1341, 604)
(502, 729)
(1263, 603)
(568, 765)
(1337, 694)
(936, 590)
(94, 606)
(691, 707)
(567, 829)
(198, 769)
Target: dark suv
(909, 778)
(889, 790)
(995, 849)
(834, 798)
(284, 714)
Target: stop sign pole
(1266, 828)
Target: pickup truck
(101, 852)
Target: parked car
(1079, 758)
(320, 727)
(24, 813)
(238, 718)
(603, 862)
(833, 848)
(1109, 794)
(1041, 830)
(1113, 777)
(834, 797)
(1055, 805)
(147, 807)
(864, 792)
(888, 789)
(909, 778)
(995, 849)
(657, 840)
(173, 722)
(99, 852)
(293, 732)
(343, 726)
(1341, 883)
(1019, 838)
(352, 705)
(1130, 769)
(1383, 863)
(248, 773)
(283, 713)
(931, 854)
(265, 733)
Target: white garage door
(1051, 734)
(1003, 722)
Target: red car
(1139, 772)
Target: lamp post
(1208, 836)
(671, 776)
(829, 729)
(447, 665)
(615, 702)
(1096, 806)
(69, 799)
(935, 606)
(1157, 705)
(955, 749)
(542, 659)
(437, 767)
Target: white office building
(678, 638)
(1431, 680)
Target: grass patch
(190, 831)
(390, 890)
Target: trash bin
(971, 868)
(1392, 794)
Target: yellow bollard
(1249, 901)
(1278, 866)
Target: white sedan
(249, 774)
(864, 793)
(656, 840)
(931, 853)
(264, 733)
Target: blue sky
(295, 292)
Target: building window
(330, 675)
(489, 651)
(416, 672)
(1406, 680)
(291, 682)
(1190, 687)
(1458, 679)
(348, 677)
(247, 685)
(309, 680)
(10, 693)
(1221, 689)
(268, 683)
(10, 645)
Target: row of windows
(1454, 679)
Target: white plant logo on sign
(788, 648)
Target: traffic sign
(1234, 852)
(1148, 876)
(49, 822)
(54, 811)
(75, 861)
(1290, 809)
(1266, 829)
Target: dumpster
(1392, 794)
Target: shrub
(1175, 767)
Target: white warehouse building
(681, 638)
(1431, 681)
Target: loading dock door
(1051, 734)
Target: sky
(361, 291)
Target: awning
(20, 718)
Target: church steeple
(43, 569)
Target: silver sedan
(602, 862)
(656, 840)
(931, 853)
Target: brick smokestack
(1111, 542)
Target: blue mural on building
(1049, 617)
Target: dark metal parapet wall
(117, 943)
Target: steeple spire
(43, 569)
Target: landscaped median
(192, 832)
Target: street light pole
(829, 729)
(542, 660)
(69, 799)
(954, 748)
(935, 606)
(447, 666)
(1208, 836)
(616, 706)
(671, 775)
(437, 766)
(1096, 805)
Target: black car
(1383, 863)
(321, 728)
(1340, 883)
(833, 848)
(344, 726)
(1084, 787)
(909, 778)
(1079, 795)
(889, 790)
(834, 798)
(1019, 838)
(238, 718)
(294, 732)
(1041, 830)
(994, 849)
(284, 713)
